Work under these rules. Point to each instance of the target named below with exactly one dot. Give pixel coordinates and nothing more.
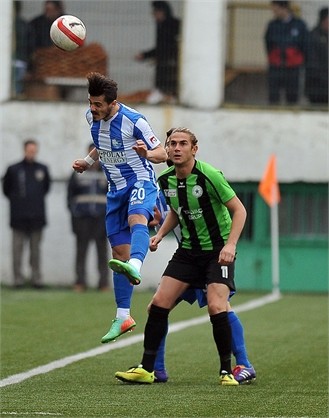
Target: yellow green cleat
(227, 379)
(136, 375)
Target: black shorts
(199, 269)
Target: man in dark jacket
(164, 54)
(39, 29)
(26, 184)
(86, 198)
(316, 76)
(286, 44)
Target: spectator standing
(86, 200)
(26, 184)
(286, 44)
(39, 28)
(164, 54)
(20, 57)
(316, 75)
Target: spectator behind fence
(20, 58)
(86, 200)
(286, 43)
(39, 27)
(26, 184)
(164, 54)
(316, 75)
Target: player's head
(99, 85)
(181, 145)
(102, 93)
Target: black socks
(155, 329)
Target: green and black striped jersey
(199, 201)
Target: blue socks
(160, 357)
(140, 240)
(123, 290)
(238, 344)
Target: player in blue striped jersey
(126, 146)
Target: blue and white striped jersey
(114, 140)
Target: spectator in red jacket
(286, 44)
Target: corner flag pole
(269, 190)
(275, 247)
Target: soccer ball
(68, 32)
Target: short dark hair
(283, 4)
(30, 142)
(58, 4)
(98, 85)
(162, 6)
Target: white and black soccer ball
(68, 32)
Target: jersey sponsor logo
(112, 157)
(153, 140)
(197, 191)
(194, 214)
(170, 192)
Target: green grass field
(287, 342)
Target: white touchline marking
(57, 364)
(30, 413)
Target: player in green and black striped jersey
(243, 371)
(211, 219)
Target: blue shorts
(191, 295)
(137, 198)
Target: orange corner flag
(268, 187)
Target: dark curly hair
(99, 85)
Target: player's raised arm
(156, 155)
